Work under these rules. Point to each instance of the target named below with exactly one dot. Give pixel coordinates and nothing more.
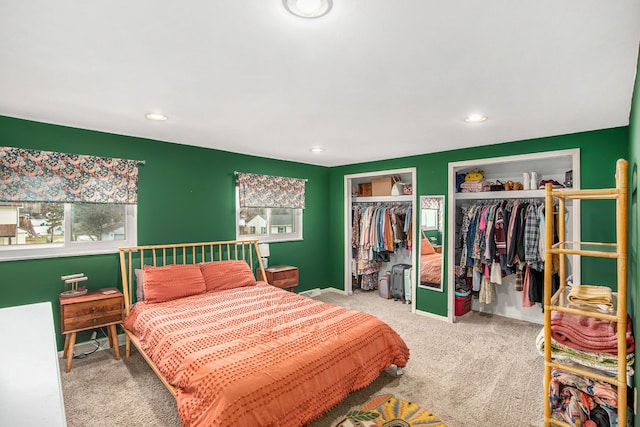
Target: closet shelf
(590, 249)
(513, 194)
(376, 199)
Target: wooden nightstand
(95, 309)
(282, 276)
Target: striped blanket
(603, 361)
(261, 356)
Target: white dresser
(30, 388)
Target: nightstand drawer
(89, 321)
(282, 276)
(90, 314)
(285, 279)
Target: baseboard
(89, 346)
(431, 315)
(338, 291)
(317, 292)
(311, 292)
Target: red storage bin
(463, 304)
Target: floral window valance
(431, 202)
(47, 176)
(257, 191)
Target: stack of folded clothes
(588, 333)
(475, 186)
(599, 297)
(605, 362)
(591, 342)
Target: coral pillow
(219, 275)
(171, 282)
(426, 248)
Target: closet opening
(496, 252)
(380, 235)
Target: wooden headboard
(184, 253)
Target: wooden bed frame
(183, 253)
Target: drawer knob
(95, 320)
(93, 308)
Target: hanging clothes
(377, 231)
(499, 238)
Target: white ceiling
(373, 79)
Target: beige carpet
(483, 371)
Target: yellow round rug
(387, 411)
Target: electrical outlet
(94, 334)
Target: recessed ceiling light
(475, 118)
(308, 8)
(316, 149)
(156, 116)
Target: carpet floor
(482, 371)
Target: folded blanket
(475, 186)
(594, 296)
(588, 333)
(604, 362)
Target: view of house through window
(42, 223)
(64, 228)
(268, 223)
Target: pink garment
(526, 302)
(588, 333)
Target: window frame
(269, 238)
(425, 219)
(71, 248)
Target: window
(60, 204)
(269, 224)
(430, 219)
(269, 208)
(39, 229)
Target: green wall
(634, 217)
(599, 151)
(186, 194)
(434, 236)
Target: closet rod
(398, 204)
(525, 199)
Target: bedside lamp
(264, 253)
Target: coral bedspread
(261, 356)
(431, 268)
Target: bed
(238, 352)
(431, 269)
(430, 264)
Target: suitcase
(397, 282)
(383, 285)
(407, 285)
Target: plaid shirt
(531, 237)
(519, 278)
